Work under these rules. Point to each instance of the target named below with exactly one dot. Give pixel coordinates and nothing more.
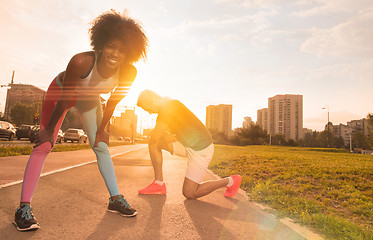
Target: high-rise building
(285, 114)
(219, 118)
(22, 93)
(262, 118)
(126, 124)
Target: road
(72, 203)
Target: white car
(74, 134)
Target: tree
(23, 114)
(339, 142)
(359, 140)
(251, 135)
(278, 139)
(309, 140)
(218, 137)
(72, 120)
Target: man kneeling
(181, 133)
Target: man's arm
(162, 137)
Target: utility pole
(11, 82)
(327, 107)
(350, 143)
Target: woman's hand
(43, 136)
(101, 136)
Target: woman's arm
(126, 80)
(78, 65)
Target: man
(181, 133)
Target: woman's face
(114, 53)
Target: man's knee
(189, 194)
(159, 146)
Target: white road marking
(66, 168)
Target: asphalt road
(71, 203)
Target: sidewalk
(73, 205)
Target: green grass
(329, 190)
(14, 150)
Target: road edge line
(65, 168)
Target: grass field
(329, 190)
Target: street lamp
(327, 107)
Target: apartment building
(285, 116)
(219, 118)
(126, 124)
(22, 93)
(262, 118)
(346, 130)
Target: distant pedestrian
(118, 42)
(181, 133)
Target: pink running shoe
(232, 190)
(154, 188)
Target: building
(126, 124)
(359, 125)
(262, 118)
(341, 130)
(285, 116)
(346, 130)
(219, 118)
(22, 93)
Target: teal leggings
(91, 115)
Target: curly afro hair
(111, 25)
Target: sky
(210, 52)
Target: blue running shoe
(121, 206)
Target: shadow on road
(236, 221)
(205, 212)
(110, 225)
(153, 225)
(10, 232)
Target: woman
(117, 43)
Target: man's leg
(156, 156)
(198, 162)
(193, 190)
(155, 151)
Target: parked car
(35, 130)
(33, 133)
(7, 130)
(59, 136)
(23, 131)
(74, 134)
